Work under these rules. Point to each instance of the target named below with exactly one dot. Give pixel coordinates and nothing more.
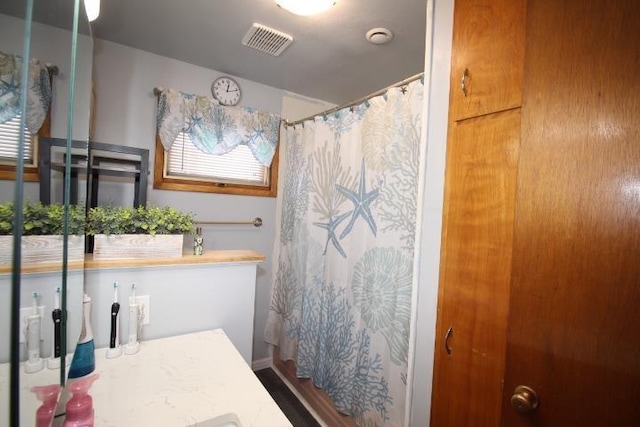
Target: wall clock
(226, 91)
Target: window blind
(9, 141)
(236, 167)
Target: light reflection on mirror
(51, 43)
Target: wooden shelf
(48, 267)
(208, 257)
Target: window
(9, 140)
(185, 168)
(9, 135)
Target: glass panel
(52, 42)
(10, 33)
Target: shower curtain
(341, 294)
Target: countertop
(176, 381)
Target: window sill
(209, 187)
(8, 173)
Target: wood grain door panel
(574, 332)
(478, 223)
(488, 39)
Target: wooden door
(574, 333)
(480, 192)
(488, 40)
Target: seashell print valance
(216, 129)
(38, 91)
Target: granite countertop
(176, 381)
(179, 381)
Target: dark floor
(286, 400)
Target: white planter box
(137, 246)
(42, 249)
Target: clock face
(226, 91)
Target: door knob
(524, 399)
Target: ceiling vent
(266, 39)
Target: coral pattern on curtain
(215, 129)
(38, 91)
(341, 296)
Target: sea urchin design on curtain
(341, 297)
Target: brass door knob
(524, 399)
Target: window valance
(38, 91)
(216, 129)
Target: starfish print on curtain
(344, 315)
(361, 201)
(331, 232)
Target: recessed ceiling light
(379, 35)
(306, 7)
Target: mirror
(50, 42)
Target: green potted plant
(143, 232)
(42, 232)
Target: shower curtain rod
(158, 90)
(357, 101)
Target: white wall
(437, 71)
(45, 284)
(296, 107)
(52, 45)
(124, 79)
(214, 296)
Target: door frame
(439, 39)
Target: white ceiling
(329, 58)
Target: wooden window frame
(31, 173)
(161, 182)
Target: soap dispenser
(79, 410)
(198, 242)
(48, 395)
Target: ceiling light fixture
(92, 7)
(306, 7)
